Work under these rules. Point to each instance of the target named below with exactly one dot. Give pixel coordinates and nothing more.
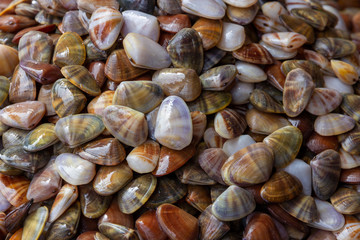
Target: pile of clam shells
(179, 119)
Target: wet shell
(242, 16)
(14, 189)
(194, 175)
(118, 67)
(333, 124)
(229, 124)
(308, 66)
(211, 161)
(81, 78)
(136, 193)
(92, 204)
(350, 230)
(287, 41)
(43, 73)
(232, 37)
(142, 96)
(66, 99)
(176, 223)
(181, 82)
(298, 89)
(319, 60)
(210, 102)
(22, 87)
(266, 24)
(302, 208)
(148, 25)
(15, 219)
(35, 46)
(127, 125)
(334, 47)
(40, 138)
(345, 72)
(198, 197)
(99, 103)
(106, 151)
(72, 23)
(281, 187)
(259, 225)
(297, 25)
(350, 105)
(24, 115)
(264, 102)
(173, 124)
(186, 51)
(323, 101)
(325, 173)
(14, 23)
(35, 223)
(285, 143)
(148, 227)
(104, 27)
(347, 160)
(317, 19)
(90, 6)
(346, 201)
(144, 158)
(114, 215)
(69, 50)
(253, 53)
(218, 78)
(350, 141)
(234, 203)
(74, 170)
(92, 52)
(110, 179)
(204, 8)
(209, 31)
(115, 231)
(67, 129)
(210, 227)
(63, 200)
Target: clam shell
(43, 73)
(212, 139)
(264, 102)
(212, 57)
(351, 229)
(143, 52)
(315, 18)
(24, 115)
(231, 146)
(104, 27)
(334, 47)
(148, 227)
(115, 231)
(248, 72)
(69, 50)
(199, 124)
(302, 208)
(319, 60)
(323, 101)
(99, 103)
(287, 41)
(81, 78)
(35, 223)
(345, 72)
(4, 204)
(347, 160)
(204, 8)
(97, 70)
(65, 227)
(14, 189)
(297, 25)
(253, 53)
(218, 78)
(229, 124)
(9, 170)
(240, 92)
(336, 84)
(92, 52)
(317, 143)
(198, 196)
(350, 105)
(234, 203)
(186, 51)
(267, 24)
(176, 223)
(259, 224)
(278, 53)
(142, 96)
(136, 193)
(232, 37)
(169, 6)
(110, 179)
(350, 141)
(144, 158)
(302, 171)
(285, 143)
(72, 23)
(22, 87)
(173, 124)
(40, 138)
(4, 89)
(142, 23)
(127, 125)
(114, 215)
(209, 31)
(106, 151)
(281, 187)
(66, 99)
(333, 124)
(346, 201)
(14, 220)
(90, 6)
(139, 5)
(180, 82)
(63, 200)
(92, 204)
(210, 227)
(308, 66)
(14, 23)
(118, 68)
(74, 170)
(193, 174)
(36, 46)
(211, 160)
(210, 102)
(242, 16)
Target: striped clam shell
(9, 60)
(92, 204)
(36, 46)
(315, 18)
(253, 53)
(22, 87)
(63, 200)
(4, 89)
(287, 41)
(35, 223)
(40, 138)
(334, 47)
(346, 201)
(297, 25)
(210, 102)
(351, 105)
(323, 101)
(303, 208)
(209, 31)
(144, 158)
(229, 124)
(148, 227)
(114, 231)
(350, 230)
(333, 124)
(14, 189)
(69, 50)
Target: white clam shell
(174, 127)
(241, 91)
(241, 3)
(232, 37)
(302, 171)
(278, 53)
(212, 9)
(231, 146)
(273, 10)
(286, 41)
(66, 196)
(144, 158)
(143, 52)
(75, 170)
(251, 73)
(337, 84)
(142, 23)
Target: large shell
(323, 101)
(232, 37)
(14, 189)
(35, 223)
(148, 227)
(173, 124)
(66, 99)
(144, 158)
(104, 27)
(40, 138)
(209, 31)
(146, 24)
(298, 89)
(92, 204)
(142, 96)
(334, 47)
(285, 143)
(63, 200)
(281, 187)
(136, 193)
(325, 173)
(333, 124)
(211, 9)
(69, 50)
(350, 230)
(346, 201)
(177, 223)
(126, 124)
(302, 208)
(36, 46)
(233, 204)
(186, 51)
(24, 115)
(22, 87)
(74, 170)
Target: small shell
(345, 72)
(14, 23)
(319, 60)
(264, 102)
(229, 124)
(211, 228)
(41, 72)
(35, 223)
(350, 105)
(72, 23)
(302, 208)
(92, 204)
(210, 9)
(232, 37)
(144, 158)
(142, 23)
(315, 18)
(194, 175)
(297, 25)
(36, 46)
(323, 101)
(241, 92)
(336, 84)
(253, 53)
(148, 227)
(15, 219)
(198, 197)
(350, 230)
(209, 31)
(287, 41)
(69, 50)
(22, 87)
(99, 103)
(64, 199)
(4, 89)
(90, 6)
(14, 189)
(347, 160)
(273, 10)
(278, 53)
(114, 231)
(346, 201)
(40, 138)
(233, 204)
(334, 47)
(173, 124)
(104, 27)
(136, 193)
(250, 73)
(218, 78)
(266, 24)
(211, 160)
(75, 130)
(114, 215)
(260, 224)
(333, 124)
(74, 170)
(308, 66)
(210, 102)
(302, 171)
(127, 125)
(242, 16)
